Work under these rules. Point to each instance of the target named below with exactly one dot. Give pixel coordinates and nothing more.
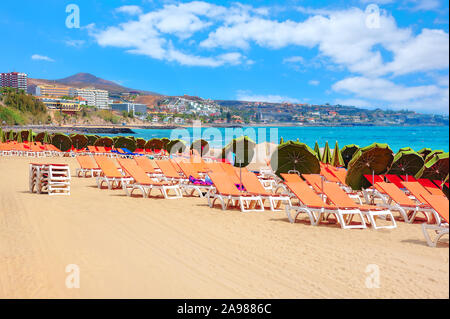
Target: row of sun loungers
(322, 198)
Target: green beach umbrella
(30, 135)
(62, 142)
(19, 137)
(430, 156)
(79, 141)
(2, 136)
(154, 144)
(294, 156)
(373, 159)
(47, 139)
(104, 141)
(281, 140)
(317, 150)
(201, 146)
(336, 158)
(243, 148)
(404, 149)
(125, 142)
(140, 143)
(436, 168)
(406, 163)
(166, 142)
(424, 152)
(347, 153)
(11, 136)
(92, 139)
(175, 146)
(326, 156)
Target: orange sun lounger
(399, 201)
(169, 171)
(308, 202)
(110, 174)
(228, 194)
(146, 184)
(253, 186)
(190, 169)
(348, 207)
(441, 206)
(87, 165)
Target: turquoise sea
(435, 137)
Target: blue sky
(381, 53)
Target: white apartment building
(93, 97)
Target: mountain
(83, 80)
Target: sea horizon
(416, 137)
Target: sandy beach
(155, 248)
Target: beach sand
(155, 248)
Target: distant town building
(129, 107)
(66, 106)
(14, 80)
(51, 91)
(93, 97)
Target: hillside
(83, 80)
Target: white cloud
(271, 98)
(343, 37)
(313, 82)
(39, 57)
(131, 10)
(431, 98)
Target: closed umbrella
(347, 153)
(336, 158)
(243, 148)
(317, 150)
(326, 156)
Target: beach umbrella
(92, 139)
(404, 149)
(424, 152)
(281, 140)
(436, 168)
(154, 144)
(30, 135)
(374, 159)
(125, 142)
(243, 149)
(47, 139)
(175, 146)
(79, 141)
(432, 153)
(19, 137)
(326, 156)
(104, 141)
(201, 146)
(336, 158)
(39, 137)
(294, 156)
(347, 153)
(406, 163)
(2, 136)
(62, 142)
(317, 150)
(140, 143)
(11, 136)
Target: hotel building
(14, 80)
(129, 107)
(51, 91)
(93, 97)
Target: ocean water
(434, 137)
